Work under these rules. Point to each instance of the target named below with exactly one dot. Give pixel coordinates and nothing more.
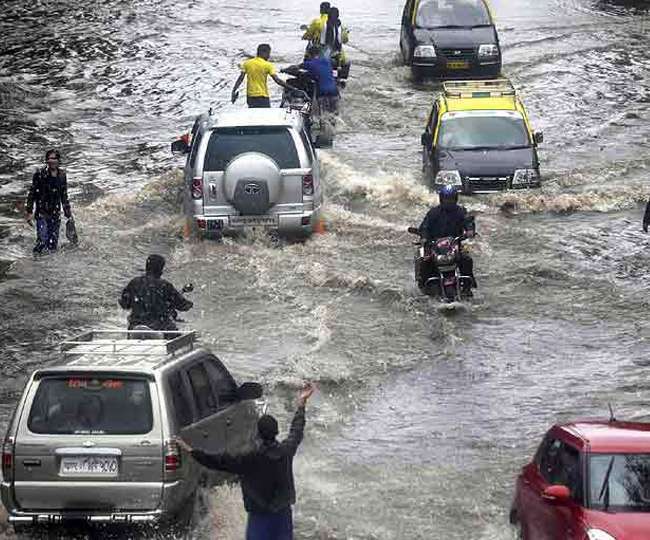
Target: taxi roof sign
(478, 89)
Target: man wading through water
(48, 193)
(266, 474)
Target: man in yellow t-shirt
(315, 28)
(257, 70)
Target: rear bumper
(173, 496)
(299, 223)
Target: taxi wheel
(417, 73)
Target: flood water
(423, 417)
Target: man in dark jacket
(47, 194)
(266, 474)
(153, 300)
(646, 217)
(446, 219)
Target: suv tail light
(8, 460)
(172, 457)
(197, 187)
(308, 184)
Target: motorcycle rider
(153, 300)
(333, 36)
(446, 219)
(320, 70)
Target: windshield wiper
(604, 489)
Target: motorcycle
(319, 112)
(449, 285)
(142, 331)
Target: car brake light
(308, 184)
(172, 457)
(197, 187)
(7, 460)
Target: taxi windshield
(448, 13)
(468, 132)
(619, 482)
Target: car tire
(522, 531)
(418, 73)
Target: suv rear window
(87, 405)
(227, 143)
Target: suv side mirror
(250, 390)
(426, 139)
(538, 137)
(556, 494)
(180, 147)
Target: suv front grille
(458, 54)
(488, 183)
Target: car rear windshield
(467, 132)
(441, 13)
(619, 482)
(227, 143)
(90, 405)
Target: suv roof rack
(141, 343)
(478, 89)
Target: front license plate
(89, 465)
(253, 221)
(457, 65)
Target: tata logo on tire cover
(252, 189)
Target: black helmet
(155, 265)
(448, 195)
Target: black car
(450, 38)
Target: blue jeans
(277, 526)
(47, 234)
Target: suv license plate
(88, 465)
(457, 65)
(253, 221)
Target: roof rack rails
(474, 89)
(130, 343)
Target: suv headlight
(488, 49)
(525, 176)
(597, 534)
(449, 177)
(427, 51)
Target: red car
(589, 480)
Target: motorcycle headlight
(449, 177)
(525, 176)
(597, 534)
(427, 51)
(488, 49)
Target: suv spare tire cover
(254, 168)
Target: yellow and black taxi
(450, 39)
(478, 138)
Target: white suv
(251, 168)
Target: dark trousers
(276, 526)
(258, 102)
(47, 234)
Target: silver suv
(251, 168)
(94, 439)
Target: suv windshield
(440, 13)
(627, 486)
(87, 405)
(467, 132)
(227, 143)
